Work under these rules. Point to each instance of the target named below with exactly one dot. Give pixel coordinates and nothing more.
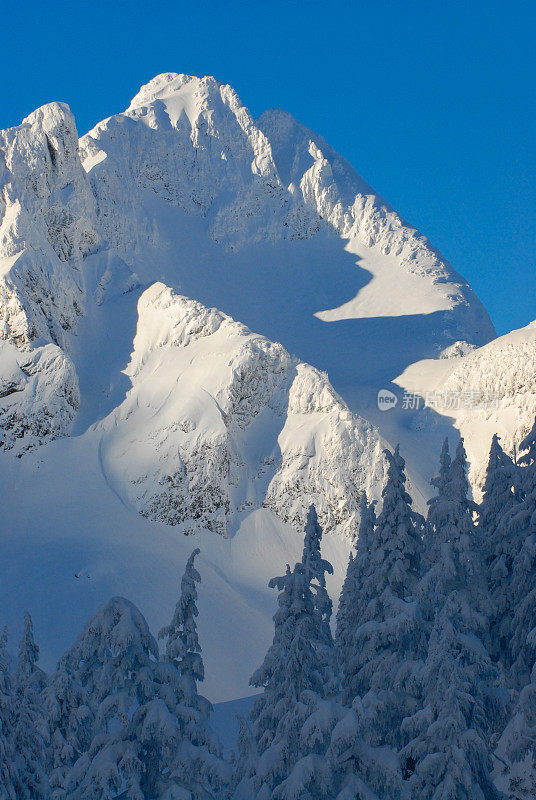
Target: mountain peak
(166, 85)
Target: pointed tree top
(367, 524)
(315, 566)
(28, 649)
(182, 646)
(529, 444)
(440, 481)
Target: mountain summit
(197, 311)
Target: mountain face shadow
(275, 288)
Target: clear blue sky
(432, 102)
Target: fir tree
(389, 638)
(499, 546)
(9, 778)
(150, 735)
(283, 756)
(439, 482)
(97, 685)
(316, 569)
(528, 445)
(196, 765)
(383, 642)
(30, 730)
(519, 628)
(447, 757)
(516, 749)
(352, 602)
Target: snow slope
(220, 421)
(69, 541)
(197, 310)
(490, 390)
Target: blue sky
(432, 102)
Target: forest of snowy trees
(426, 690)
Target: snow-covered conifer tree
(498, 501)
(30, 731)
(150, 736)
(284, 757)
(390, 638)
(97, 686)
(383, 653)
(316, 569)
(196, 765)
(519, 628)
(448, 757)
(515, 756)
(8, 773)
(352, 602)
(439, 482)
(528, 448)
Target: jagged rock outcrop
(47, 226)
(221, 421)
(260, 218)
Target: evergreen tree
(8, 775)
(383, 642)
(498, 501)
(316, 568)
(282, 755)
(516, 749)
(447, 757)
(351, 603)
(528, 445)
(519, 628)
(196, 765)
(389, 640)
(101, 680)
(30, 732)
(439, 482)
(150, 735)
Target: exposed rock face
(47, 225)
(220, 421)
(186, 187)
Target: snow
(62, 565)
(505, 370)
(188, 295)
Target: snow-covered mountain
(490, 390)
(197, 310)
(220, 422)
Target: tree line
(426, 691)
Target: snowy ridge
(206, 150)
(48, 224)
(504, 371)
(200, 426)
(193, 144)
(39, 396)
(221, 421)
(329, 185)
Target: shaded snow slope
(221, 421)
(68, 542)
(142, 412)
(263, 220)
